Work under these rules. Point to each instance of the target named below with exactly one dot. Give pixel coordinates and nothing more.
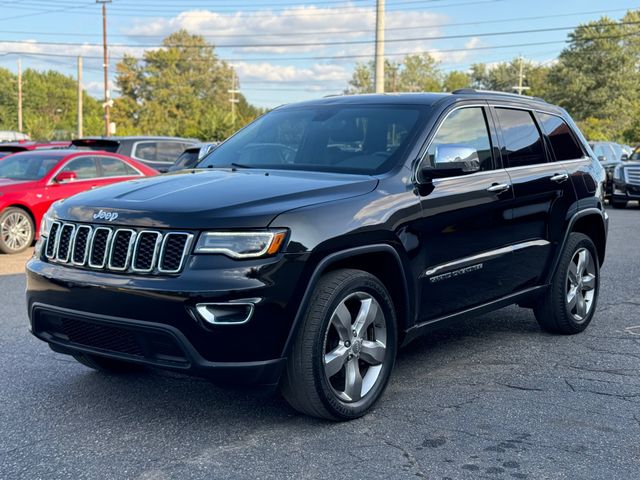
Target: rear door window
(159, 151)
(522, 141)
(563, 143)
(114, 167)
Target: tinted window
(563, 143)
(112, 167)
(26, 166)
(335, 138)
(465, 127)
(159, 151)
(188, 159)
(521, 137)
(84, 167)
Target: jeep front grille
(633, 175)
(117, 249)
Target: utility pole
(107, 101)
(520, 88)
(19, 95)
(379, 77)
(233, 98)
(80, 97)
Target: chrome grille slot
(64, 242)
(117, 249)
(146, 251)
(52, 240)
(173, 250)
(81, 245)
(99, 247)
(121, 246)
(633, 175)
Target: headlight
(45, 223)
(617, 172)
(242, 244)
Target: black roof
(138, 137)
(426, 98)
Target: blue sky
(286, 50)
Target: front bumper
(152, 320)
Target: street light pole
(107, 102)
(379, 76)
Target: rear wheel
(343, 355)
(571, 303)
(16, 230)
(107, 365)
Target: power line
(322, 44)
(333, 32)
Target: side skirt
(440, 322)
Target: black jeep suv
(313, 243)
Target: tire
(578, 272)
(618, 204)
(107, 365)
(309, 383)
(16, 230)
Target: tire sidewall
(368, 284)
(581, 242)
(3, 247)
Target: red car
(31, 181)
(14, 147)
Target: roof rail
(495, 92)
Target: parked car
(158, 153)
(31, 181)
(9, 148)
(610, 154)
(626, 181)
(11, 136)
(192, 155)
(308, 247)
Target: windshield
(347, 139)
(25, 166)
(635, 155)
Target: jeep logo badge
(102, 215)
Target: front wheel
(571, 303)
(344, 352)
(16, 230)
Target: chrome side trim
(156, 250)
(69, 246)
(132, 240)
(187, 246)
(481, 257)
(86, 247)
(107, 247)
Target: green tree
(597, 78)
(49, 105)
(505, 76)
(178, 90)
(455, 80)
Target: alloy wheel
(355, 346)
(581, 284)
(16, 231)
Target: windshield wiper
(241, 165)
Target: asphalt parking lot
(493, 397)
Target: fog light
(233, 313)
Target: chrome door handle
(498, 187)
(560, 177)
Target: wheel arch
(381, 260)
(29, 212)
(591, 222)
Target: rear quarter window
(563, 142)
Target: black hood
(217, 198)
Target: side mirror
(602, 158)
(624, 157)
(65, 177)
(451, 160)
